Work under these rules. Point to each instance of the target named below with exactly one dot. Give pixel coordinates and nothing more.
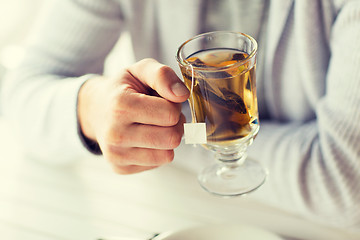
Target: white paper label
(195, 133)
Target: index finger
(151, 110)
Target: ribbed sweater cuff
(90, 145)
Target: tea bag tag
(195, 133)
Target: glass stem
(229, 162)
(231, 159)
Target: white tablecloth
(89, 201)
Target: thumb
(160, 78)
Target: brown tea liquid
(224, 94)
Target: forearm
(44, 115)
(72, 39)
(314, 165)
(310, 172)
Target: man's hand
(136, 117)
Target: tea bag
(231, 108)
(195, 133)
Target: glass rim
(185, 63)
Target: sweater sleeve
(314, 167)
(68, 45)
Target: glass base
(232, 179)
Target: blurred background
(16, 21)
(17, 18)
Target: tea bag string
(192, 94)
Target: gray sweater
(308, 88)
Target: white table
(89, 201)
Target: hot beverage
(222, 83)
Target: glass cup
(219, 70)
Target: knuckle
(115, 139)
(174, 139)
(121, 170)
(173, 119)
(157, 158)
(112, 155)
(119, 105)
(162, 74)
(152, 156)
(163, 71)
(147, 61)
(168, 156)
(118, 162)
(153, 140)
(119, 113)
(173, 115)
(161, 157)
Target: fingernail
(179, 89)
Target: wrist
(86, 107)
